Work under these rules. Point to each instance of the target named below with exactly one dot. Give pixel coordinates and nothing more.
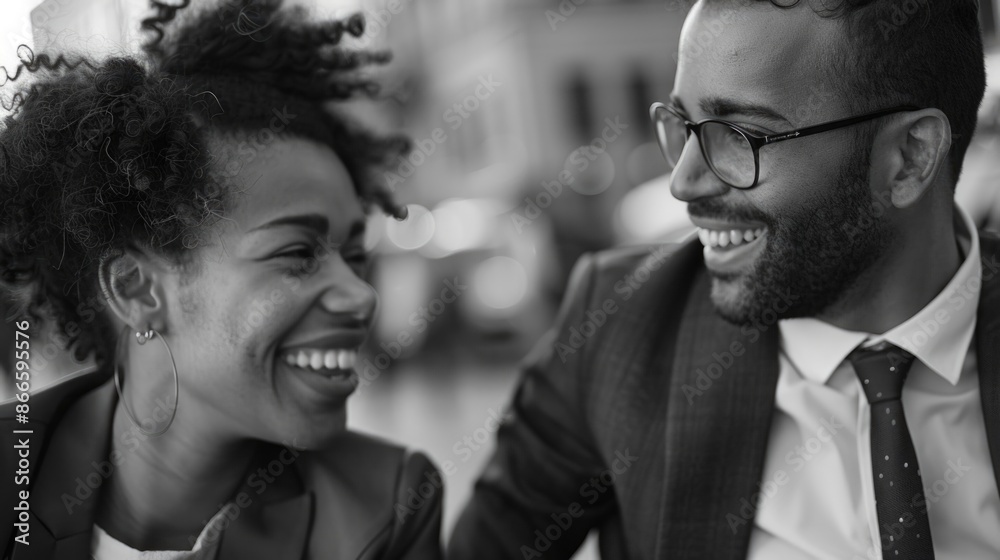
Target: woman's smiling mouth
(320, 360)
(325, 363)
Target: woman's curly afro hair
(100, 156)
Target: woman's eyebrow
(315, 222)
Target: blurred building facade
(535, 112)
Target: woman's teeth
(322, 359)
(720, 239)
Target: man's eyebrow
(720, 107)
(315, 222)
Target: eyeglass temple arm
(816, 129)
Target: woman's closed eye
(297, 259)
(306, 258)
(294, 252)
(356, 257)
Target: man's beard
(814, 255)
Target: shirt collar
(816, 348)
(938, 335)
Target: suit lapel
(629, 397)
(272, 519)
(988, 347)
(276, 530)
(719, 410)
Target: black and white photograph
(500, 280)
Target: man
(746, 399)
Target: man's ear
(132, 283)
(913, 151)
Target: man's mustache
(715, 209)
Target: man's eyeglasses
(731, 151)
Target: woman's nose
(350, 295)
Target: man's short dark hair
(927, 53)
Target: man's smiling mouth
(732, 246)
(722, 239)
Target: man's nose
(691, 178)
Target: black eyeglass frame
(758, 141)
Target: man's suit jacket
(354, 500)
(665, 399)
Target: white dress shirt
(817, 481)
(105, 547)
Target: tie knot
(881, 370)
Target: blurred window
(640, 100)
(580, 106)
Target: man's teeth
(322, 359)
(724, 238)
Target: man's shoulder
(625, 270)
(622, 259)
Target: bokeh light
(500, 282)
(413, 232)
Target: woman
(194, 222)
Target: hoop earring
(141, 338)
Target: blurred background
(532, 147)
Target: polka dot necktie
(899, 493)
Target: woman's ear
(132, 283)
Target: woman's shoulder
(48, 403)
(374, 499)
